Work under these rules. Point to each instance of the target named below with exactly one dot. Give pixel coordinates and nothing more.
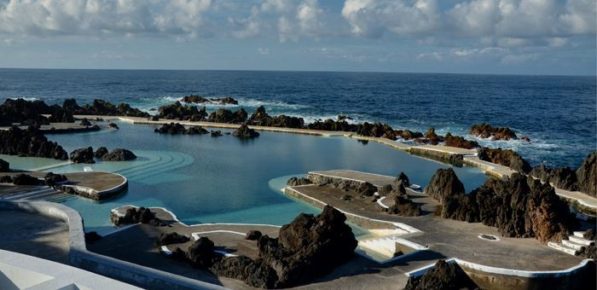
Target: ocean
(558, 113)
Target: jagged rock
(444, 183)
(23, 112)
(25, 179)
(386, 189)
(200, 100)
(119, 154)
(227, 116)
(201, 252)
(564, 178)
(404, 207)
(216, 133)
(432, 137)
(4, 166)
(82, 155)
(504, 157)
(136, 215)
(113, 126)
(459, 142)
(172, 238)
(261, 118)
(52, 179)
(59, 115)
(518, 206)
(367, 189)
(485, 130)
(586, 175)
(196, 130)
(100, 152)
(85, 122)
(244, 132)
(294, 181)
(101, 107)
(331, 125)
(181, 112)
(403, 179)
(444, 276)
(253, 235)
(30, 142)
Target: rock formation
(82, 155)
(459, 142)
(31, 143)
(23, 112)
(403, 179)
(177, 128)
(227, 116)
(244, 132)
(564, 177)
(519, 207)
(294, 181)
(135, 215)
(444, 183)
(261, 118)
(101, 107)
(432, 138)
(202, 100)
(201, 252)
(504, 157)
(485, 130)
(178, 111)
(253, 235)
(216, 133)
(586, 175)
(404, 206)
(52, 179)
(4, 166)
(119, 154)
(172, 238)
(26, 179)
(366, 189)
(100, 152)
(444, 276)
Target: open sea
(204, 179)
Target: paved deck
(34, 235)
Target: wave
(30, 99)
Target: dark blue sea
(558, 113)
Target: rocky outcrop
(202, 100)
(82, 155)
(253, 235)
(295, 181)
(215, 133)
(244, 132)
(4, 166)
(26, 179)
(101, 107)
(172, 238)
(519, 207)
(100, 152)
(119, 154)
(403, 179)
(459, 142)
(226, 116)
(178, 111)
(52, 179)
(366, 189)
(177, 128)
(30, 143)
(586, 175)
(201, 252)
(404, 206)
(135, 215)
(485, 130)
(431, 137)
(255, 273)
(376, 130)
(444, 276)
(23, 112)
(504, 157)
(261, 118)
(564, 178)
(59, 115)
(444, 183)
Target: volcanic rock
(85, 122)
(253, 235)
(586, 175)
(23, 112)
(119, 154)
(485, 130)
(136, 215)
(504, 157)
(172, 238)
(227, 116)
(25, 179)
(201, 252)
(100, 152)
(404, 207)
(101, 107)
(201, 100)
(432, 137)
(5, 179)
(444, 276)
(255, 273)
(181, 112)
(4, 166)
(82, 155)
(459, 142)
(367, 189)
(216, 133)
(444, 183)
(294, 181)
(113, 126)
(244, 132)
(30, 142)
(403, 179)
(261, 118)
(564, 178)
(52, 179)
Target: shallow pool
(204, 179)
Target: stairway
(37, 193)
(574, 245)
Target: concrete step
(28, 194)
(581, 241)
(572, 245)
(580, 234)
(562, 248)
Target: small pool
(205, 179)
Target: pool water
(204, 179)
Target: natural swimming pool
(204, 179)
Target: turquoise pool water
(204, 179)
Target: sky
(445, 36)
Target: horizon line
(304, 71)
